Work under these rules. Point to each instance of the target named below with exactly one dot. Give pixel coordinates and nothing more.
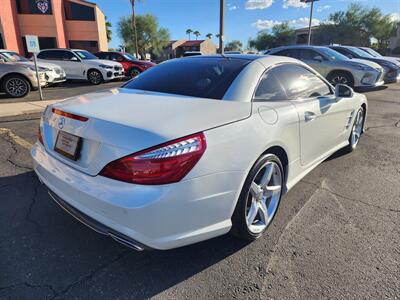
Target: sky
(243, 18)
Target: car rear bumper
(159, 217)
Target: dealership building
(57, 23)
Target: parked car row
(58, 65)
(349, 65)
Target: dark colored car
(392, 70)
(132, 66)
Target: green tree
(197, 34)
(356, 26)
(209, 35)
(108, 30)
(234, 45)
(281, 35)
(150, 38)
(188, 32)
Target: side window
(308, 54)
(300, 83)
(66, 55)
(289, 52)
(343, 51)
(102, 55)
(50, 55)
(115, 57)
(269, 88)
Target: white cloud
(296, 23)
(323, 7)
(258, 4)
(265, 24)
(395, 17)
(293, 3)
(303, 22)
(233, 7)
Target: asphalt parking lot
(62, 91)
(336, 234)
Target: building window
(79, 12)
(35, 7)
(1, 42)
(44, 43)
(91, 46)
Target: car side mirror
(343, 91)
(318, 58)
(74, 58)
(350, 56)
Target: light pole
(311, 13)
(221, 25)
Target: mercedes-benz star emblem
(61, 123)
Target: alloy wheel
(134, 72)
(95, 77)
(16, 87)
(356, 131)
(263, 197)
(339, 79)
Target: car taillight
(69, 115)
(162, 164)
(40, 136)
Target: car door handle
(309, 116)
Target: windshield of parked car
(195, 76)
(82, 54)
(332, 54)
(360, 52)
(373, 52)
(129, 57)
(13, 57)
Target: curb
(22, 108)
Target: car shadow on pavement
(370, 90)
(42, 246)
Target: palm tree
(108, 30)
(188, 32)
(135, 41)
(197, 34)
(209, 35)
(217, 35)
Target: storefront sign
(43, 5)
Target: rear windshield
(197, 77)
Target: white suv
(81, 64)
(54, 74)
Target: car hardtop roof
(298, 47)
(233, 56)
(266, 60)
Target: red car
(132, 66)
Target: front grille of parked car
(117, 68)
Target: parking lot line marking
(17, 139)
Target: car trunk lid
(119, 122)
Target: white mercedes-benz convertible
(193, 148)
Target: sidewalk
(21, 108)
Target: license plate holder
(68, 145)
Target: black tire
(95, 77)
(240, 227)
(352, 142)
(337, 77)
(133, 72)
(16, 86)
